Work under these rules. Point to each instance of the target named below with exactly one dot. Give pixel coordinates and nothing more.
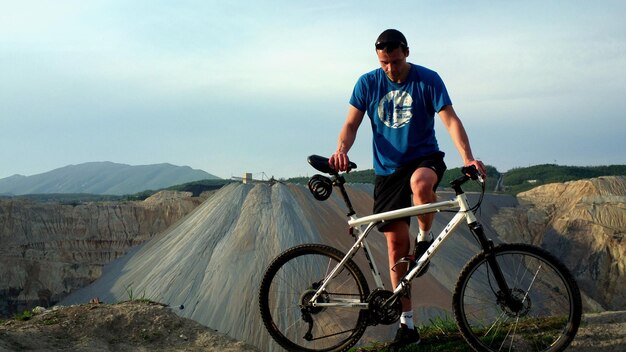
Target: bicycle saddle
(320, 163)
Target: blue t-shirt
(402, 115)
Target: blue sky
(255, 86)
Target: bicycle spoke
(531, 284)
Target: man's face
(394, 63)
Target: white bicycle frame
(368, 222)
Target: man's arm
(339, 160)
(459, 137)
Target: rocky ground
(129, 326)
(148, 326)
(601, 332)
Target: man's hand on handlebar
(339, 161)
(479, 166)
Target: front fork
(505, 292)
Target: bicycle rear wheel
(288, 285)
(548, 309)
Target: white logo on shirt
(394, 109)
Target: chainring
(381, 313)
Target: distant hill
(514, 181)
(102, 178)
(525, 178)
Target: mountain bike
(508, 297)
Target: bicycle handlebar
(321, 164)
(321, 187)
(469, 173)
(472, 172)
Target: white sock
(407, 319)
(424, 235)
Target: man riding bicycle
(401, 99)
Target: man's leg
(423, 182)
(398, 246)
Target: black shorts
(394, 191)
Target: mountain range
(102, 178)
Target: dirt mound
(127, 326)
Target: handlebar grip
(471, 171)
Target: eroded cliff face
(48, 250)
(583, 223)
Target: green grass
(541, 331)
(134, 298)
(442, 335)
(25, 315)
(439, 335)
(51, 319)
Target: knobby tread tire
(284, 258)
(575, 304)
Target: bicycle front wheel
(545, 311)
(287, 288)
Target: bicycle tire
(287, 282)
(550, 311)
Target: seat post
(339, 182)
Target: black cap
(391, 38)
